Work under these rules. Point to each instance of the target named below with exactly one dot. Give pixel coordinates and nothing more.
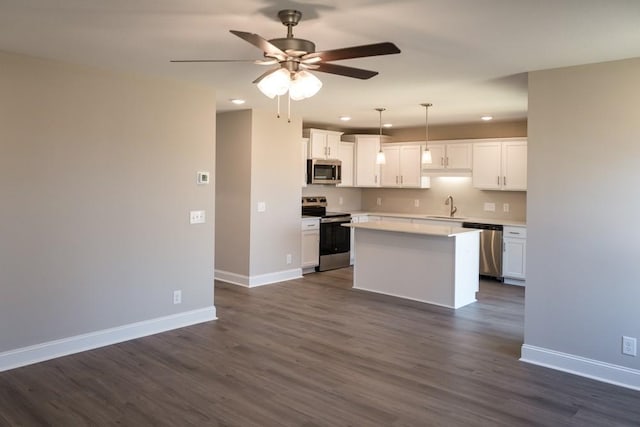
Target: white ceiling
(468, 57)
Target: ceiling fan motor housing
(294, 44)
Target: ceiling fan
(295, 56)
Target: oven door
(335, 243)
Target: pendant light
(380, 157)
(426, 154)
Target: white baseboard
(258, 280)
(589, 368)
(50, 350)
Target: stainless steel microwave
(324, 171)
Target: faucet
(452, 209)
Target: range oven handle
(346, 219)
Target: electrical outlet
(340, 200)
(629, 346)
(490, 207)
(416, 203)
(289, 260)
(505, 207)
(262, 206)
(379, 201)
(197, 217)
(177, 297)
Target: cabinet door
(514, 165)
(458, 156)
(410, 166)
(318, 145)
(310, 248)
(487, 165)
(437, 157)
(367, 171)
(390, 171)
(332, 142)
(514, 257)
(346, 155)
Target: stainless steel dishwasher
(490, 248)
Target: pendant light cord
(426, 125)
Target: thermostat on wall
(203, 177)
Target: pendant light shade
(426, 154)
(381, 159)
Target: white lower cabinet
(514, 255)
(310, 243)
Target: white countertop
(407, 227)
(437, 217)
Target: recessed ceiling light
(345, 118)
(237, 101)
(486, 118)
(387, 125)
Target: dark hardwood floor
(313, 352)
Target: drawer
(310, 224)
(511, 231)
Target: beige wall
(259, 161)
(275, 180)
(583, 280)
(233, 191)
(497, 129)
(97, 177)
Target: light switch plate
(262, 206)
(197, 217)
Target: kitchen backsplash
(470, 201)
(346, 199)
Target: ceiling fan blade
(212, 60)
(385, 48)
(261, 43)
(341, 70)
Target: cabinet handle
(441, 161)
(329, 148)
(498, 180)
(396, 179)
(446, 161)
(375, 179)
(504, 181)
(514, 232)
(401, 179)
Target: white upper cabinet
(450, 155)
(323, 144)
(367, 172)
(403, 168)
(500, 165)
(346, 155)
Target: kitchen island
(428, 263)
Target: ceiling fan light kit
(275, 84)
